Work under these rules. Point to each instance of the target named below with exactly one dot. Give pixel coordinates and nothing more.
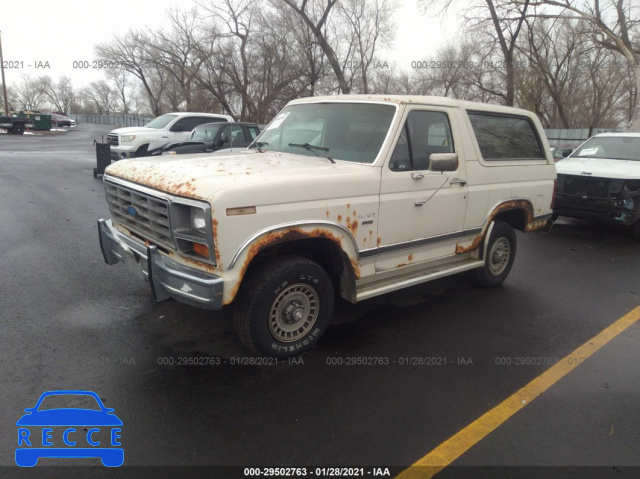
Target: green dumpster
(40, 120)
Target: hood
(133, 130)
(598, 167)
(202, 175)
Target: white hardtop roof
(416, 100)
(620, 133)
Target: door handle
(419, 203)
(458, 181)
(416, 175)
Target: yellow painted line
(458, 444)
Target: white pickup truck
(353, 196)
(134, 141)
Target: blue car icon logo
(49, 430)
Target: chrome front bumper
(167, 278)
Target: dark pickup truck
(209, 137)
(14, 125)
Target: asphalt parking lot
(448, 353)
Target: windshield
(204, 133)
(161, 121)
(342, 131)
(611, 147)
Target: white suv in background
(134, 141)
(601, 181)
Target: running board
(388, 285)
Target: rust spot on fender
(339, 218)
(356, 268)
(476, 242)
(354, 227)
(509, 205)
(327, 213)
(400, 265)
(379, 240)
(348, 205)
(214, 223)
(410, 257)
(271, 239)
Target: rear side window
(504, 137)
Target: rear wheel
(284, 307)
(500, 255)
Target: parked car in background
(601, 180)
(208, 138)
(134, 141)
(60, 120)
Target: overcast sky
(62, 32)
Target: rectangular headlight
(198, 222)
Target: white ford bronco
(134, 141)
(353, 196)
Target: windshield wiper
(313, 148)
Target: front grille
(585, 186)
(112, 139)
(143, 214)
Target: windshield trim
(310, 101)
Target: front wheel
(18, 129)
(500, 255)
(284, 307)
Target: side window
(504, 137)
(424, 133)
(237, 136)
(254, 131)
(225, 137)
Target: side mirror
(443, 162)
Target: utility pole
(4, 83)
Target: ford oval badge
(131, 210)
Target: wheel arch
(329, 244)
(517, 212)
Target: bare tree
(129, 53)
(123, 85)
(175, 51)
(315, 15)
(370, 26)
(615, 25)
(101, 96)
(60, 94)
(29, 95)
(506, 19)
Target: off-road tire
(284, 307)
(500, 255)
